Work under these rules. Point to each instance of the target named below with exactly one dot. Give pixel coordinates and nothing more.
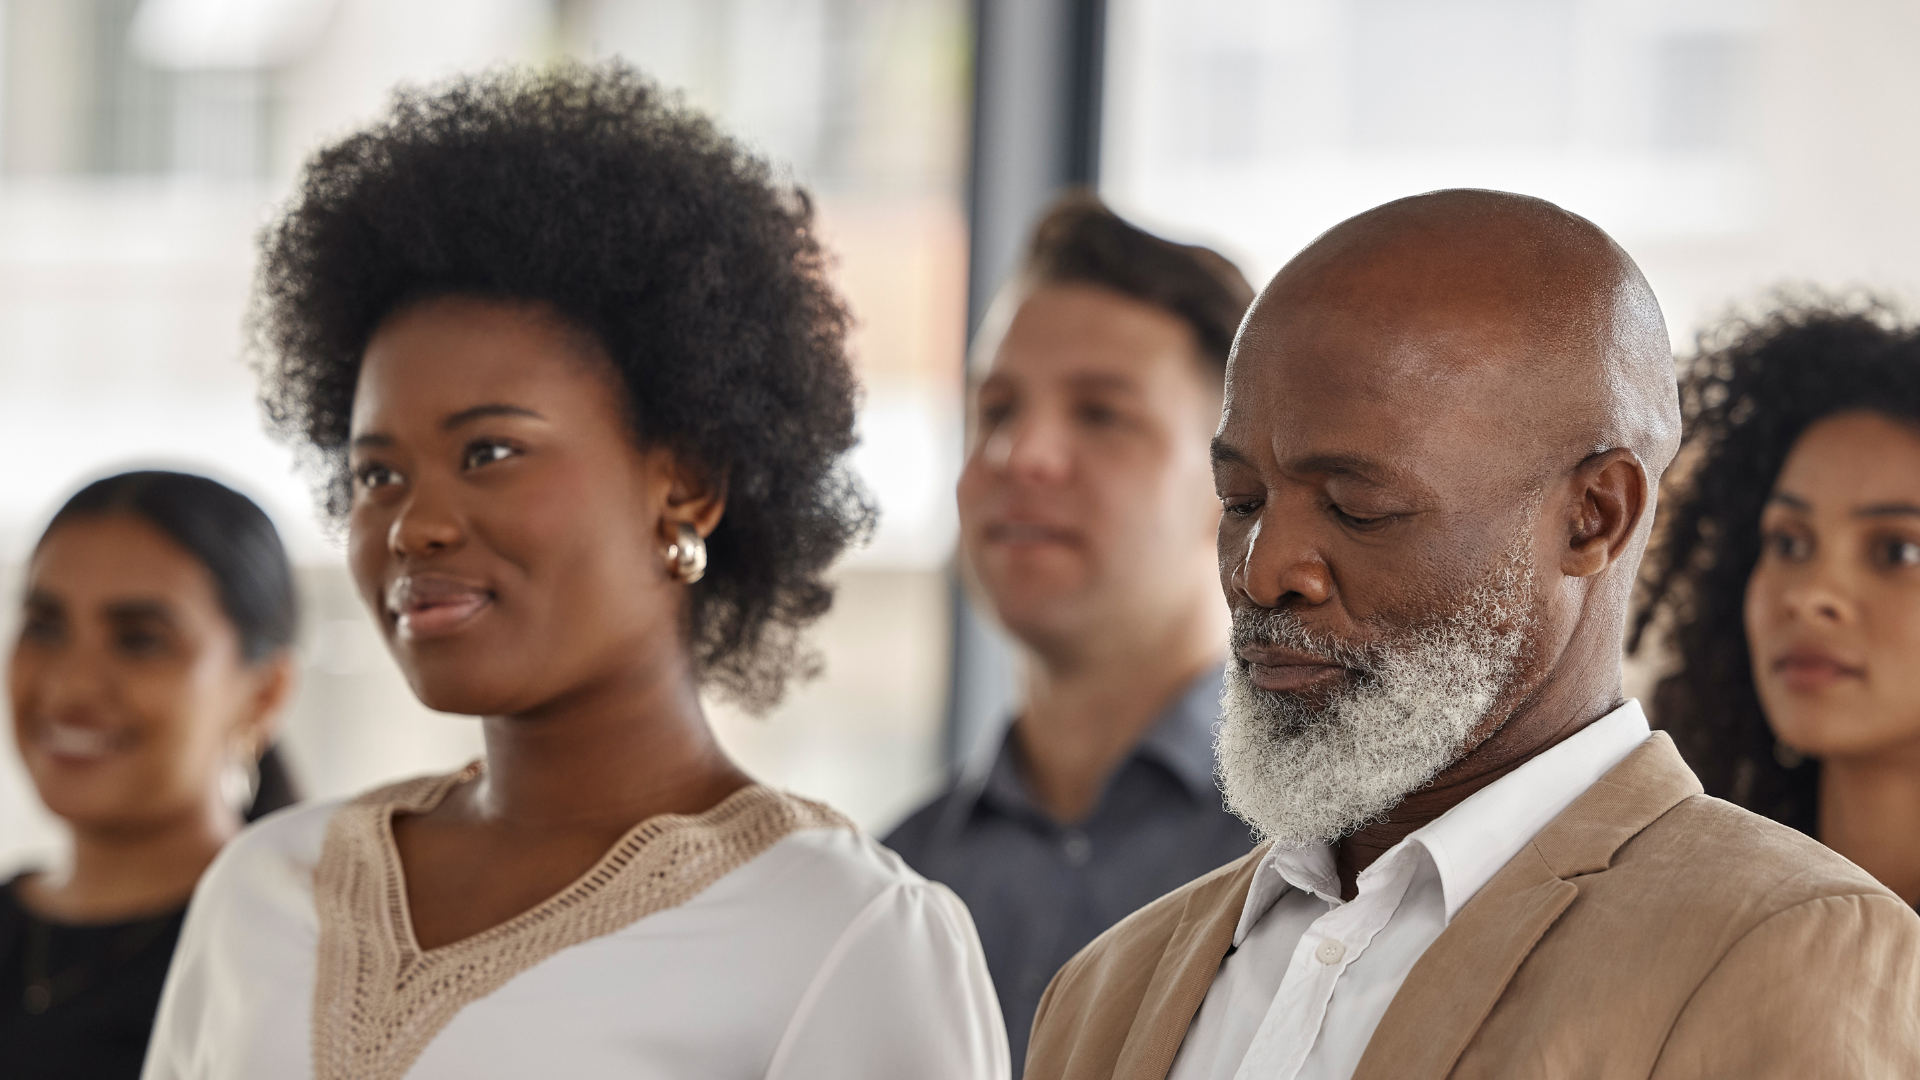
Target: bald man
(1444, 426)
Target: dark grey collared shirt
(1040, 890)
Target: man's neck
(1085, 712)
(1554, 712)
(1870, 813)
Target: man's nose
(427, 524)
(1036, 449)
(1278, 565)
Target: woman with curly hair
(1788, 579)
(569, 363)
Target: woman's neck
(129, 872)
(1870, 813)
(564, 782)
(606, 757)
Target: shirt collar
(1181, 741)
(1002, 785)
(1471, 842)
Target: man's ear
(1609, 497)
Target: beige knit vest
(379, 999)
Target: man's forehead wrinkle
(1349, 466)
(1372, 424)
(1332, 366)
(1312, 453)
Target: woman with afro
(1788, 578)
(569, 366)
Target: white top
(822, 956)
(1311, 976)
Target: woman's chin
(465, 690)
(1840, 732)
(98, 807)
(460, 701)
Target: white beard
(1302, 772)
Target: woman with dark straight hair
(153, 655)
(1787, 577)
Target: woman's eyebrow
(1889, 509)
(42, 600)
(481, 412)
(464, 416)
(140, 609)
(1790, 501)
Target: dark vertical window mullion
(1038, 79)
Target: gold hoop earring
(687, 557)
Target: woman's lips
(1807, 670)
(434, 605)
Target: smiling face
(507, 530)
(1833, 606)
(128, 687)
(1083, 503)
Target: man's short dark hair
(1081, 241)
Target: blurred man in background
(1087, 519)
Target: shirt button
(1077, 848)
(1330, 951)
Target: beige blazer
(1647, 931)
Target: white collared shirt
(1310, 976)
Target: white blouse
(766, 937)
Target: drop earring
(240, 781)
(687, 557)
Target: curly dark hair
(592, 191)
(1750, 391)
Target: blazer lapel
(1461, 976)
(1455, 983)
(1185, 973)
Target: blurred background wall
(1730, 145)
(144, 142)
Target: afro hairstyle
(591, 191)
